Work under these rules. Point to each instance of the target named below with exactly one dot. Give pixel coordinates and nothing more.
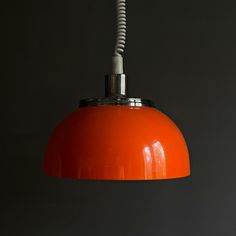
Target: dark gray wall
(181, 54)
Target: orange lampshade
(117, 137)
(117, 143)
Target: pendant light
(117, 137)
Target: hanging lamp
(117, 137)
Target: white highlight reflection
(154, 161)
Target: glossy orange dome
(117, 143)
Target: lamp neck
(116, 85)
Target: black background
(181, 54)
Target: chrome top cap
(116, 94)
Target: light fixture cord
(117, 60)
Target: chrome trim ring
(117, 101)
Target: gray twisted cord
(117, 60)
(121, 27)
